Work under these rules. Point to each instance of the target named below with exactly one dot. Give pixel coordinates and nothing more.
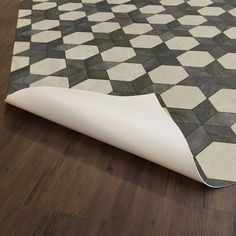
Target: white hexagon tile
(184, 51)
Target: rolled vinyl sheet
(185, 61)
(136, 124)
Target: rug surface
(183, 51)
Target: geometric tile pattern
(184, 51)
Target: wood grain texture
(54, 181)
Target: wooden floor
(54, 181)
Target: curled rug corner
(183, 61)
(136, 124)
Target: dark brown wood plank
(51, 223)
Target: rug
(119, 60)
